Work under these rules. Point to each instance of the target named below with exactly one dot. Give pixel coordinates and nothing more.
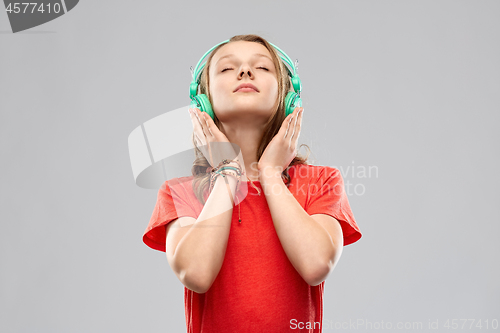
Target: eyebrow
(232, 55)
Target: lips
(246, 87)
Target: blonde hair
(201, 179)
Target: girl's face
(238, 63)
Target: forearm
(306, 243)
(201, 251)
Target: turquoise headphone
(200, 101)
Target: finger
(297, 127)
(196, 114)
(286, 124)
(203, 123)
(293, 126)
(207, 132)
(289, 122)
(288, 127)
(203, 116)
(199, 116)
(209, 122)
(282, 131)
(198, 129)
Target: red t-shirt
(257, 288)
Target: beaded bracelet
(224, 169)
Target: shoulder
(179, 186)
(179, 181)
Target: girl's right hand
(210, 140)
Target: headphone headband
(292, 99)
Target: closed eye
(226, 69)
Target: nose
(246, 71)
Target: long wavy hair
(201, 180)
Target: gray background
(410, 87)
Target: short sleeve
(327, 196)
(173, 202)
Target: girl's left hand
(283, 147)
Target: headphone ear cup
(297, 85)
(204, 104)
(288, 102)
(292, 100)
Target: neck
(247, 138)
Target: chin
(254, 109)
(247, 109)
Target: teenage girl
(262, 268)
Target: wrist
(269, 172)
(226, 173)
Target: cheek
(214, 89)
(217, 89)
(274, 89)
